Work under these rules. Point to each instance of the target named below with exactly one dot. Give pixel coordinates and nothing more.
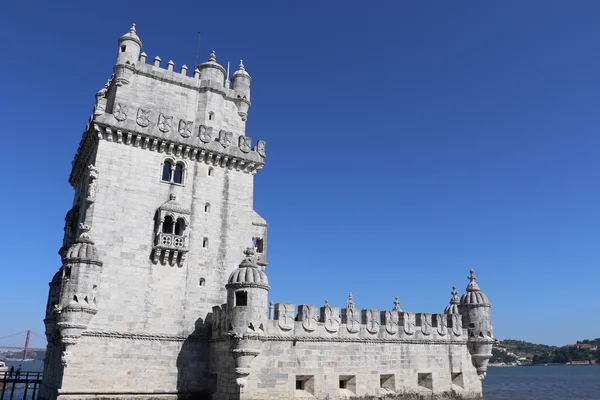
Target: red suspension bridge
(25, 348)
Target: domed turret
(241, 85)
(212, 71)
(80, 277)
(247, 290)
(452, 308)
(475, 308)
(130, 46)
(128, 53)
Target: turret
(80, 278)
(247, 291)
(128, 54)
(452, 308)
(212, 71)
(475, 308)
(241, 85)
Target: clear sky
(407, 142)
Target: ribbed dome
(241, 71)
(83, 249)
(249, 273)
(131, 35)
(174, 206)
(473, 294)
(452, 308)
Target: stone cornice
(277, 338)
(143, 336)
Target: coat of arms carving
(331, 318)
(457, 324)
(120, 112)
(309, 318)
(372, 323)
(426, 324)
(143, 117)
(352, 320)
(442, 324)
(408, 323)
(225, 138)
(164, 123)
(245, 144)
(205, 133)
(185, 128)
(391, 322)
(285, 316)
(260, 148)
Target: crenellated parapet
(329, 323)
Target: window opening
(343, 384)
(178, 176)
(205, 242)
(179, 226)
(210, 171)
(166, 172)
(202, 282)
(258, 244)
(168, 224)
(207, 207)
(241, 298)
(299, 384)
(123, 49)
(211, 116)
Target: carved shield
(143, 117)
(409, 324)
(332, 319)
(352, 322)
(285, 316)
(225, 138)
(309, 322)
(164, 123)
(372, 322)
(426, 324)
(185, 128)
(260, 148)
(244, 143)
(457, 324)
(442, 324)
(391, 322)
(120, 112)
(205, 133)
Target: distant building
(155, 298)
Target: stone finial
(241, 66)
(454, 292)
(396, 304)
(212, 57)
(350, 301)
(184, 69)
(197, 73)
(143, 57)
(170, 65)
(157, 61)
(249, 252)
(472, 286)
(84, 228)
(326, 303)
(132, 29)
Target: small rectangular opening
(425, 380)
(347, 383)
(457, 379)
(241, 298)
(123, 49)
(259, 244)
(386, 382)
(305, 384)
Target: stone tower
(162, 210)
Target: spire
(132, 35)
(350, 301)
(396, 304)
(472, 286)
(240, 71)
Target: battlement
(327, 323)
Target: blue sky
(408, 142)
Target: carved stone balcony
(170, 248)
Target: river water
(564, 382)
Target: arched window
(211, 171)
(178, 176)
(207, 207)
(179, 226)
(167, 226)
(202, 282)
(166, 171)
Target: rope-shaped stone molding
(272, 338)
(140, 336)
